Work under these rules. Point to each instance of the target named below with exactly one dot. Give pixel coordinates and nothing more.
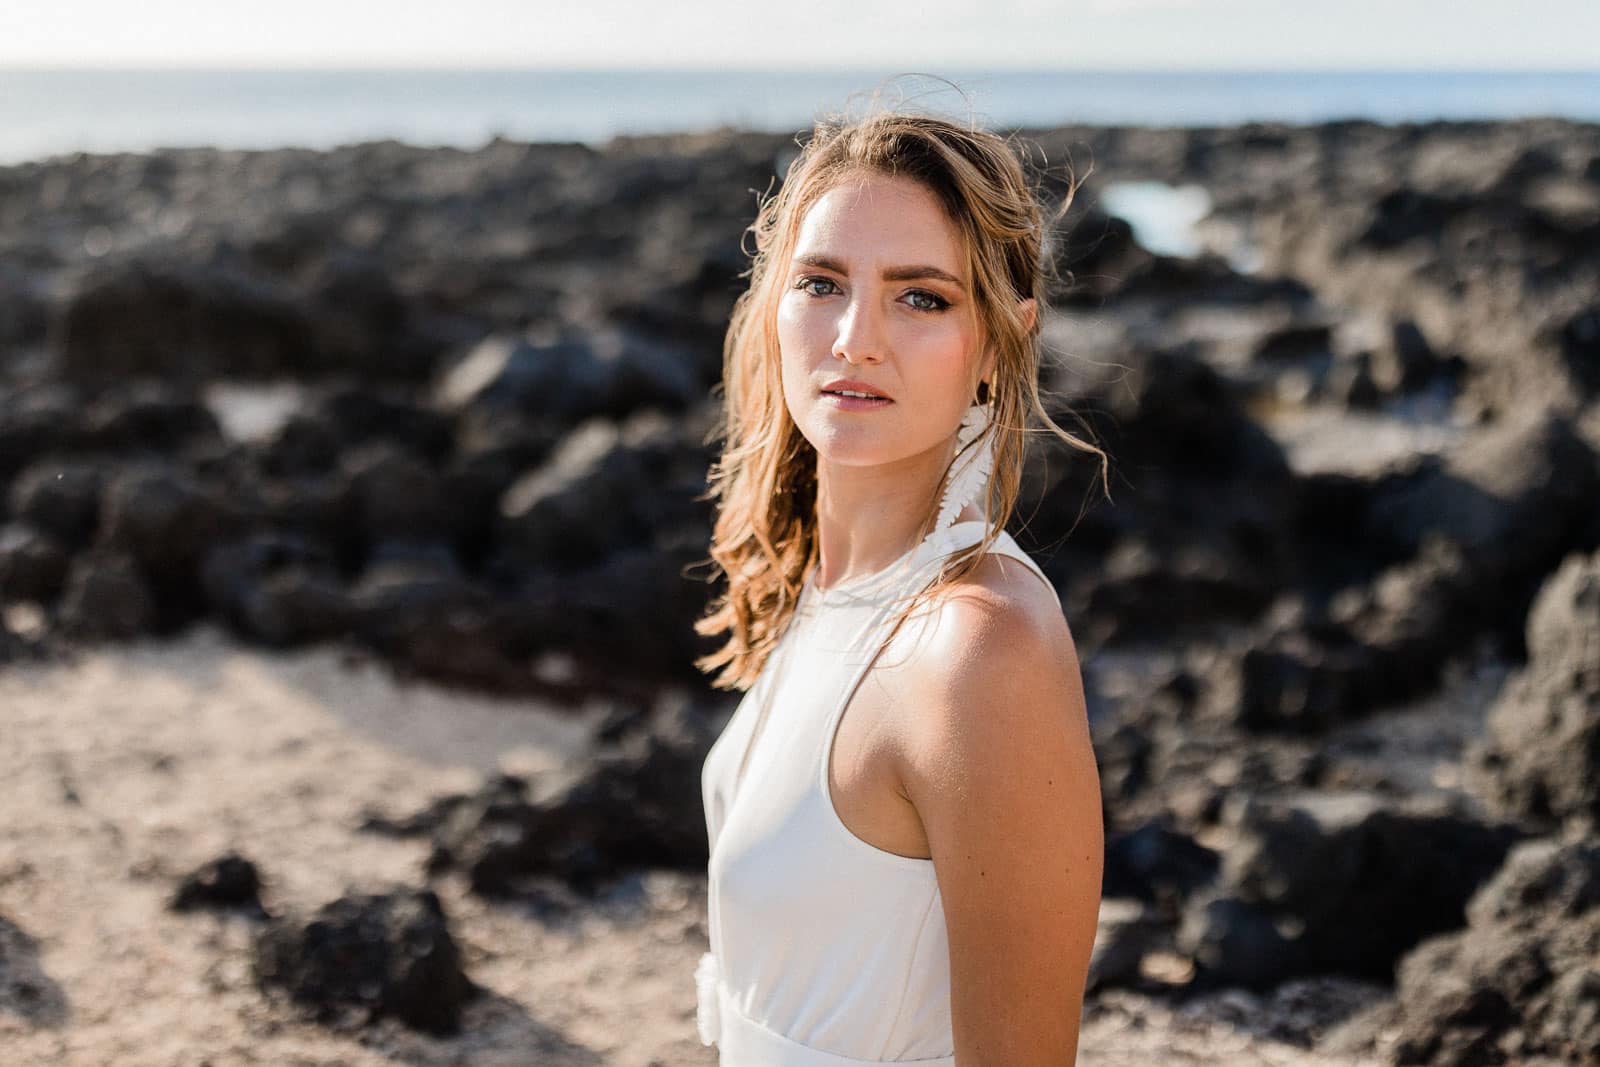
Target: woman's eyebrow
(893, 274)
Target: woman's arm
(1003, 776)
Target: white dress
(826, 951)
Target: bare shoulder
(997, 622)
(995, 669)
(1000, 768)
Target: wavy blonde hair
(765, 481)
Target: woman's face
(877, 293)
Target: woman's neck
(868, 517)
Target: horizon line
(225, 66)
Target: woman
(904, 810)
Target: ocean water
(51, 112)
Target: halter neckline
(854, 586)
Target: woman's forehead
(880, 216)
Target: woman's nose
(860, 334)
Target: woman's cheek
(799, 328)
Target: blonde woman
(904, 810)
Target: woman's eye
(809, 284)
(929, 301)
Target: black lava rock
(372, 955)
(228, 882)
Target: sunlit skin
(984, 724)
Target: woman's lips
(857, 403)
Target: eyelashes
(934, 302)
(809, 280)
(939, 303)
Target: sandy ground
(125, 769)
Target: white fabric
(826, 951)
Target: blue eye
(935, 302)
(809, 280)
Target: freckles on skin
(859, 313)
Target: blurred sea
(48, 112)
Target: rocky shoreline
(447, 412)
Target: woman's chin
(858, 452)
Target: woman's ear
(1029, 310)
(986, 376)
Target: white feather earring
(973, 465)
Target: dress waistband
(743, 1042)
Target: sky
(925, 35)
